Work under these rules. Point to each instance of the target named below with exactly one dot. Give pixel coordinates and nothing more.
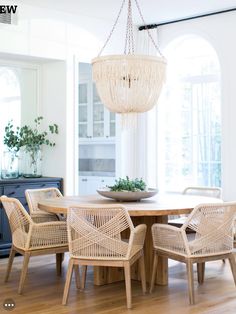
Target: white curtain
(148, 122)
(139, 146)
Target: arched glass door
(189, 117)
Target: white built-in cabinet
(97, 134)
(90, 184)
(95, 121)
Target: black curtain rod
(150, 26)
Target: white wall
(53, 109)
(54, 35)
(220, 31)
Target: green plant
(128, 185)
(12, 137)
(32, 138)
(28, 136)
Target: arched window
(10, 100)
(189, 117)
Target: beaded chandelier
(130, 83)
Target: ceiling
(154, 11)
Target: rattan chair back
(33, 196)
(19, 220)
(95, 232)
(204, 191)
(213, 224)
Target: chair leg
(128, 284)
(200, 272)
(189, 265)
(142, 273)
(59, 259)
(24, 272)
(154, 271)
(77, 276)
(10, 262)
(83, 277)
(233, 266)
(68, 281)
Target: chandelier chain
(147, 29)
(129, 38)
(113, 28)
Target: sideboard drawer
(13, 190)
(18, 190)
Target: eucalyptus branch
(28, 136)
(12, 138)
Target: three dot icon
(9, 304)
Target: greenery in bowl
(28, 136)
(127, 185)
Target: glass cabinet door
(98, 115)
(112, 124)
(83, 110)
(95, 121)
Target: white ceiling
(154, 11)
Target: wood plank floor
(43, 292)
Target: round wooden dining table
(147, 211)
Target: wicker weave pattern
(28, 235)
(33, 196)
(168, 237)
(213, 224)
(95, 233)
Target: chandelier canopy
(129, 83)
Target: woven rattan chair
(94, 235)
(213, 240)
(216, 192)
(33, 196)
(30, 239)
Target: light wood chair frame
(183, 250)
(204, 191)
(31, 239)
(124, 260)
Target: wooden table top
(159, 205)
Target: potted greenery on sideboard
(29, 141)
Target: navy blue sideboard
(16, 188)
